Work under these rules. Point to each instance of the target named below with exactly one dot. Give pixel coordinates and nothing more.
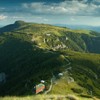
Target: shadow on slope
(24, 63)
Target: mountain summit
(12, 27)
(20, 22)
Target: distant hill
(86, 27)
(1, 26)
(33, 52)
(11, 27)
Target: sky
(73, 12)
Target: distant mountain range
(86, 27)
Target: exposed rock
(39, 44)
(33, 39)
(44, 40)
(96, 77)
(48, 34)
(70, 68)
(70, 79)
(66, 38)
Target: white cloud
(46, 20)
(2, 17)
(74, 7)
(2, 8)
(72, 19)
(17, 17)
(39, 17)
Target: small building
(60, 74)
(42, 81)
(39, 88)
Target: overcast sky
(80, 12)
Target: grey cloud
(74, 7)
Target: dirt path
(53, 78)
(50, 86)
(69, 63)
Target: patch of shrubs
(76, 90)
(86, 96)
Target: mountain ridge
(34, 52)
(81, 27)
(59, 33)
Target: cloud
(46, 20)
(2, 17)
(74, 7)
(96, 1)
(17, 17)
(72, 19)
(2, 8)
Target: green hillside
(52, 37)
(84, 69)
(33, 52)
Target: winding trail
(49, 87)
(53, 78)
(69, 63)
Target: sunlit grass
(48, 97)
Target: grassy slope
(78, 40)
(27, 62)
(85, 68)
(48, 97)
